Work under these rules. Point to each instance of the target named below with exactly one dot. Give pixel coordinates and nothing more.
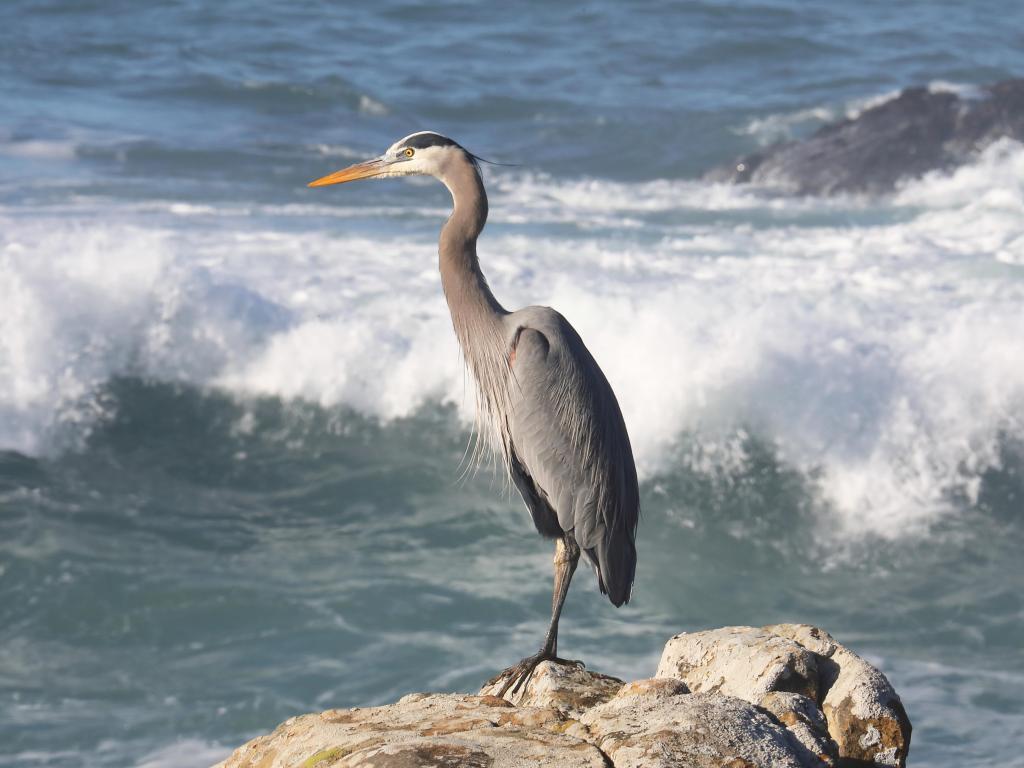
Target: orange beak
(366, 170)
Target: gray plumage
(571, 459)
(541, 396)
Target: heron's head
(425, 154)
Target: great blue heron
(540, 394)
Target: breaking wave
(877, 345)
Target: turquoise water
(234, 420)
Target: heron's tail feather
(616, 563)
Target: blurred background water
(233, 415)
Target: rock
(905, 137)
(422, 730)
(810, 637)
(657, 722)
(740, 661)
(569, 689)
(805, 721)
(865, 716)
(738, 697)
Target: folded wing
(570, 454)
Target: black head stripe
(424, 140)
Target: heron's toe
(517, 676)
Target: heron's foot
(517, 676)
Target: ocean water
(233, 417)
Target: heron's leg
(567, 555)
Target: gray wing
(570, 454)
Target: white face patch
(424, 152)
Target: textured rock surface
(805, 721)
(917, 132)
(738, 697)
(740, 661)
(654, 723)
(570, 689)
(422, 730)
(865, 716)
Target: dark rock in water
(916, 132)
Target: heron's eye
(409, 152)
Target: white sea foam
(370, 106)
(886, 355)
(39, 149)
(783, 126)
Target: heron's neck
(476, 314)
(473, 307)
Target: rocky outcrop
(423, 730)
(740, 661)
(787, 695)
(835, 703)
(865, 716)
(920, 130)
(658, 723)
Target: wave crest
(878, 347)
